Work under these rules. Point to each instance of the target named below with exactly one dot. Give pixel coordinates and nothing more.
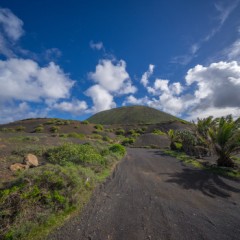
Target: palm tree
(202, 132)
(226, 140)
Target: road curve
(154, 196)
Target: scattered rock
(31, 160)
(18, 166)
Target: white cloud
(10, 31)
(112, 80)
(147, 75)
(25, 80)
(112, 77)
(233, 52)
(11, 24)
(97, 45)
(215, 92)
(15, 111)
(75, 107)
(136, 101)
(101, 98)
(163, 86)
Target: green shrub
(135, 135)
(128, 141)
(85, 122)
(8, 130)
(99, 127)
(158, 132)
(20, 128)
(120, 131)
(106, 138)
(34, 149)
(54, 129)
(74, 153)
(118, 149)
(49, 122)
(36, 195)
(76, 135)
(96, 136)
(39, 129)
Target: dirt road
(153, 196)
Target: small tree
(226, 140)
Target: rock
(31, 160)
(18, 166)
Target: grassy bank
(229, 172)
(41, 198)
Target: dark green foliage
(158, 132)
(128, 141)
(99, 127)
(54, 129)
(225, 137)
(120, 131)
(76, 135)
(39, 129)
(20, 128)
(85, 122)
(106, 138)
(118, 149)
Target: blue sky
(71, 59)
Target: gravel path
(153, 196)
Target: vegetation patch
(158, 132)
(224, 171)
(41, 198)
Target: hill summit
(131, 115)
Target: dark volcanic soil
(153, 196)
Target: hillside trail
(154, 196)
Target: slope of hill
(131, 115)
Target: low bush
(118, 149)
(120, 131)
(54, 129)
(38, 195)
(7, 129)
(85, 122)
(158, 132)
(76, 135)
(35, 149)
(128, 141)
(106, 138)
(39, 129)
(74, 153)
(20, 128)
(99, 127)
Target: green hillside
(131, 115)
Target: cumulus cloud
(22, 79)
(101, 98)
(218, 85)
(96, 46)
(111, 80)
(147, 75)
(112, 77)
(75, 107)
(215, 92)
(12, 111)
